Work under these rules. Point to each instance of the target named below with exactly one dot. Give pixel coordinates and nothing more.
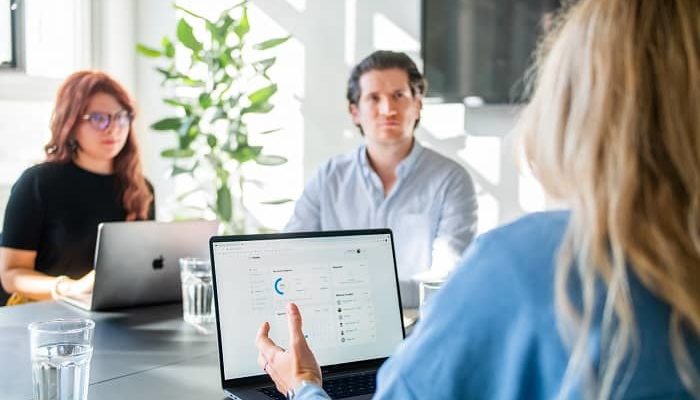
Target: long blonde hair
(613, 129)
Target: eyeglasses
(101, 121)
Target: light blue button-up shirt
(431, 208)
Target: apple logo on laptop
(158, 262)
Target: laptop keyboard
(272, 393)
(338, 388)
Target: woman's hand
(288, 368)
(83, 285)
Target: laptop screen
(344, 283)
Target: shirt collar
(407, 163)
(404, 166)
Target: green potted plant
(220, 81)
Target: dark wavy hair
(381, 60)
(71, 102)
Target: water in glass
(61, 371)
(197, 292)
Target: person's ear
(419, 105)
(354, 113)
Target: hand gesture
(288, 368)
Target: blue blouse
(491, 331)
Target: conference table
(139, 353)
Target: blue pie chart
(277, 286)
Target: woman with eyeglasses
(599, 301)
(92, 174)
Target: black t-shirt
(54, 209)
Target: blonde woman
(602, 301)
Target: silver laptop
(136, 263)
(346, 286)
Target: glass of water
(426, 290)
(61, 351)
(197, 292)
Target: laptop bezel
(263, 379)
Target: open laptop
(136, 263)
(346, 286)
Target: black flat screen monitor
(481, 48)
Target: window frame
(16, 38)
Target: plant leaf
(186, 37)
(270, 160)
(242, 27)
(183, 9)
(188, 132)
(190, 192)
(218, 114)
(219, 30)
(269, 131)
(260, 108)
(264, 65)
(178, 170)
(223, 203)
(245, 153)
(276, 202)
(177, 153)
(205, 100)
(148, 51)
(167, 124)
(168, 48)
(211, 140)
(176, 103)
(166, 73)
(185, 125)
(271, 43)
(263, 94)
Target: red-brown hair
(71, 102)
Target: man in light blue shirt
(427, 200)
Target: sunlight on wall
(350, 31)
(531, 196)
(387, 35)
(299, 5)
(488, 210)
(24, 127)
(57, 37)
(443, 121)
(24, 142)
(289, 73)
(483, 155)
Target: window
(8, 33)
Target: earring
(72, 145)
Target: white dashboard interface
(345, 287)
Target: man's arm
(458, 222)
(307, 211)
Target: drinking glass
(61, 351)
(197, 292)
(427, 290)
